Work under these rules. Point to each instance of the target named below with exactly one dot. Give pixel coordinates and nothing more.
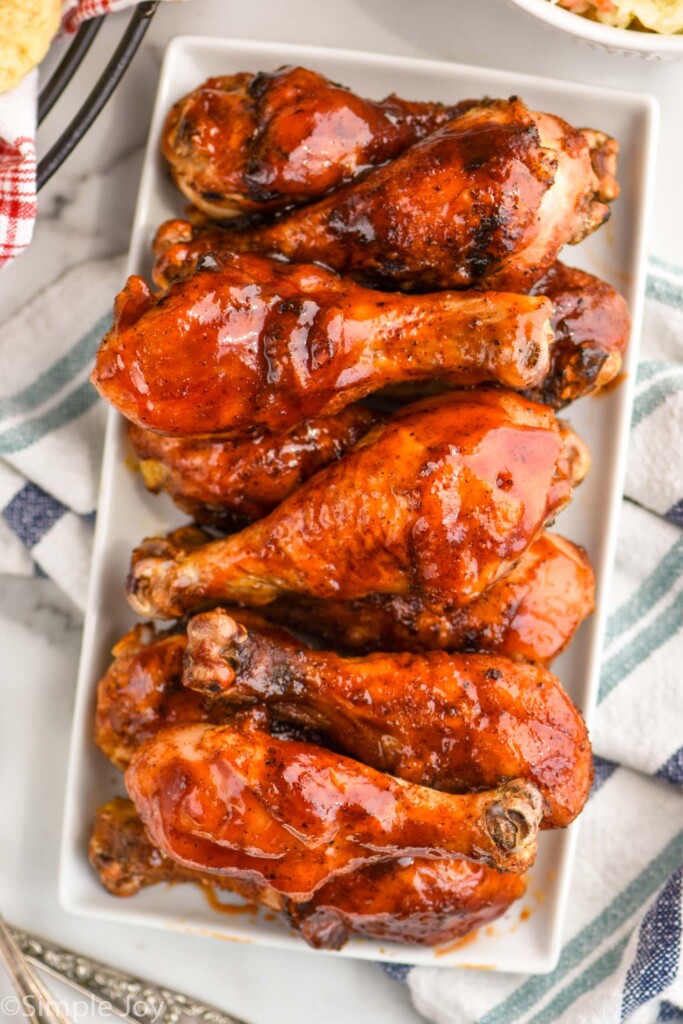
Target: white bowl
(625, 41)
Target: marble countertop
(85, 212)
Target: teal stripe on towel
(25, 434)
(666, 292)
(57, 376)
(655, 395)
(592, 935)
(651, 590)
(648, 368)
(591, 977)
(645, 643)
(672, 268)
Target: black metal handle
(68, 66)
(96, 101)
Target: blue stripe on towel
(31, 513)
(672, 770)
(675, 514)
(655, 965)
(669, 1012)
(604, 769)
(399, 972)
(592, 935)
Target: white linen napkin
(621, 955)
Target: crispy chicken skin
(414, 900)
(230, 483)
(487, 200)
(243, 144)
(141, 692)
(529, 615)
(179, 245)
(248, 343)
(237, 801)
(439, 502)
(453, 722)
(591, 325)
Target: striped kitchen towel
(51, 427)
(621, 957)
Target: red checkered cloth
(17, 140)
(17, 167)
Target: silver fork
(34, 998)
(134, 999)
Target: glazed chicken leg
(591, 325)
(529, 615)
(590, 319)
(440, 502)
(452, 722)
(487, 200)
(421, 901)
(141, 692)
(247, 343)
(126, 860)
(245, 143)
(239, 802)
(410, 900)
(229, 483)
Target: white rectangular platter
(527, 939)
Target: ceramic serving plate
(527, 939)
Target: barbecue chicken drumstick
(249, 343)
(414, 900)
(529, 615)
(590, 319)
(243, 144)
(229, 483)
(439, 502)
(142, 692)
(216, 798)
(591, 325)
(126, 861)
(452, 722)
(409, 900)
(487, 200)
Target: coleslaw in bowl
(618, 26)
(663, 16)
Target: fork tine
(35, 999)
